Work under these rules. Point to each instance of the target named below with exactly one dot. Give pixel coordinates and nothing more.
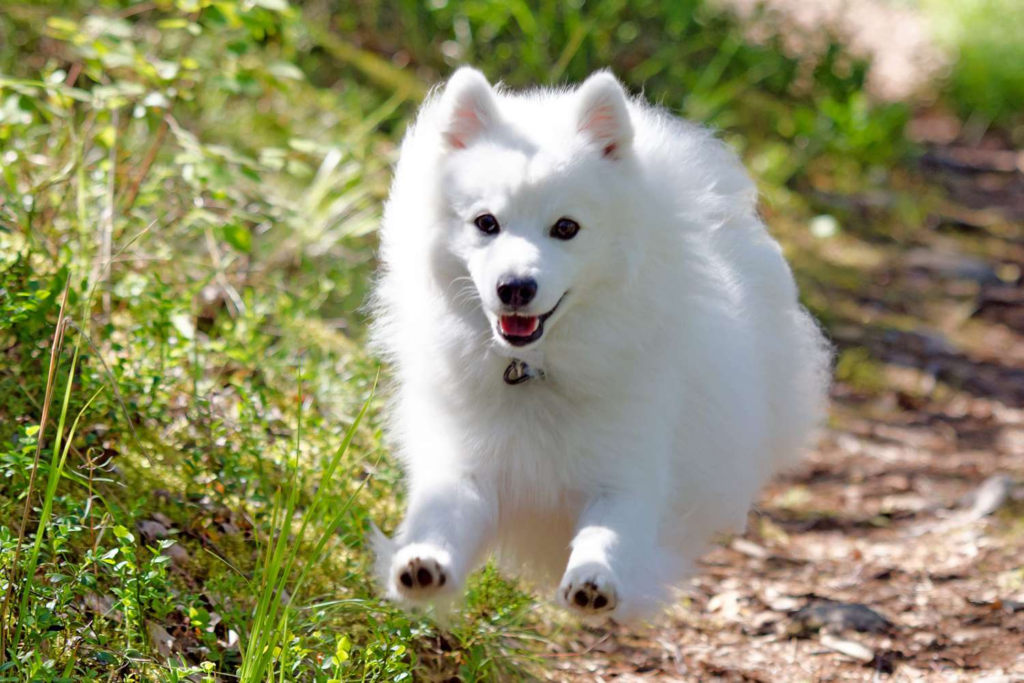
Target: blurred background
(189, 451)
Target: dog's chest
(530, 445)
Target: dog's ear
(468, 107)
(602, 115)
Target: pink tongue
(518, 326)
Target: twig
(107, 225)
(88, 516)
(76, 70)
(147, 162)
(221, 277)
(38, 406)
(58, 343)
(154, 149)
(137, 9)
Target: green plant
(986, 80)
(269, 630)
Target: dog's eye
(565, 229)
(487, 224)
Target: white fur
(680, 371)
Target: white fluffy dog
(598, 350)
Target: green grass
(269, 628)
(986, 83)
(190, 441)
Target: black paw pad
(421, 574)
(590, 597)
(424, 577)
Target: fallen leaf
(987, 498)
(851, 649)
(162, 641)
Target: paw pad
(420, 574)
(589, 597)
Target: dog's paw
(589, 591)
(419, 572)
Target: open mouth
(520, 330)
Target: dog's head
(532, 189)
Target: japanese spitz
(598, 352)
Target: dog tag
(518, 372)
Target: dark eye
(565, 229)
(487, 224)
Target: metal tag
(518, 372)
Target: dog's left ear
(602, 115)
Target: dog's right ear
(603, 116)
(467, 107)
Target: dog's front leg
(614, 565)
(443, 537)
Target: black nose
(517, 292)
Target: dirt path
(909, 507)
